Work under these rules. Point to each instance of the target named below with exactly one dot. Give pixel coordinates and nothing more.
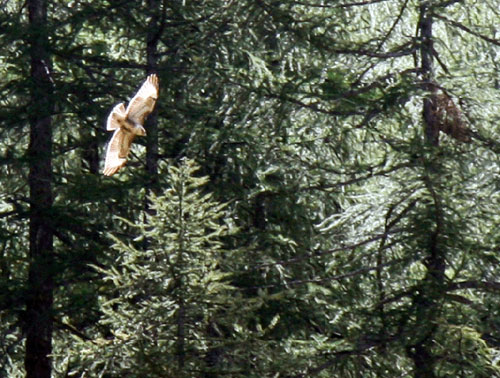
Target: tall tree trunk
(426, 53)
(427, 301)
(39, 299)
(155, 29)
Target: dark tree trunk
(427, 52)
(90, 153)
(155, 29)
(424, 363)
(39, 298)
(427, 301)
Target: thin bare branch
(468, 30)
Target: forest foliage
(318, 193)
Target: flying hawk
(127, 123)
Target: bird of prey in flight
(127, 123)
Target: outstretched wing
(116, 117)
(117, 152)
(144, 101)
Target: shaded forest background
(318, 193)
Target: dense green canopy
(318, 193)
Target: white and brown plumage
(127, 123)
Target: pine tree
(171, 294)
(356, 144)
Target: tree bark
(155, 29)
(426, 52)
(39, 298)
(427, 300)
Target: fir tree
(170, 293)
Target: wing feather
(117, 151)
(143, 103)
(116, 117)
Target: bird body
(127, 123)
